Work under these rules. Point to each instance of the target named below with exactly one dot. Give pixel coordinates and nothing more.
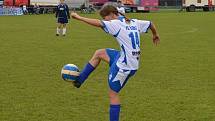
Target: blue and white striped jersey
(128, 37)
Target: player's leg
(115, 87)
(99, 55)
(114, 97)
(114, 110)
(64, 22)
(64, 29)
(117, 80)
(58, 29)
(107, 55)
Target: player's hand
(75, 16)
(156, 39)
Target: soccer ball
(70, 72)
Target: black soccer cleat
(76, 84)
(57, 34)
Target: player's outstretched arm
(93, 22)
(156, 37)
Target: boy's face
(110, 17)
(61, 1)
(107, 18)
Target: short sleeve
(110, 27)
(67, 7)
(143, 25)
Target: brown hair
(107, 9)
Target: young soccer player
(62, 14)
(124, 63)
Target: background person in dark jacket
(63, 15)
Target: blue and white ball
(70, 72)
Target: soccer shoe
(64, 35)
(57, 34)
(76, 84)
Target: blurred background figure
(120, 7)
(63, 15)
(86, 7)
(24, 8)
(36, 9)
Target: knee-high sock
(114, 112)
(88, 69)
(64, 31)
(58, 30)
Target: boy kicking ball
(62, 14)
(124, 63)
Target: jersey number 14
(134, 39)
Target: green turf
(176, 81)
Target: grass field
(176, 81)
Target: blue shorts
(62, 20)
(117, 77)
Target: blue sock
(114, 112)
(88, 69)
